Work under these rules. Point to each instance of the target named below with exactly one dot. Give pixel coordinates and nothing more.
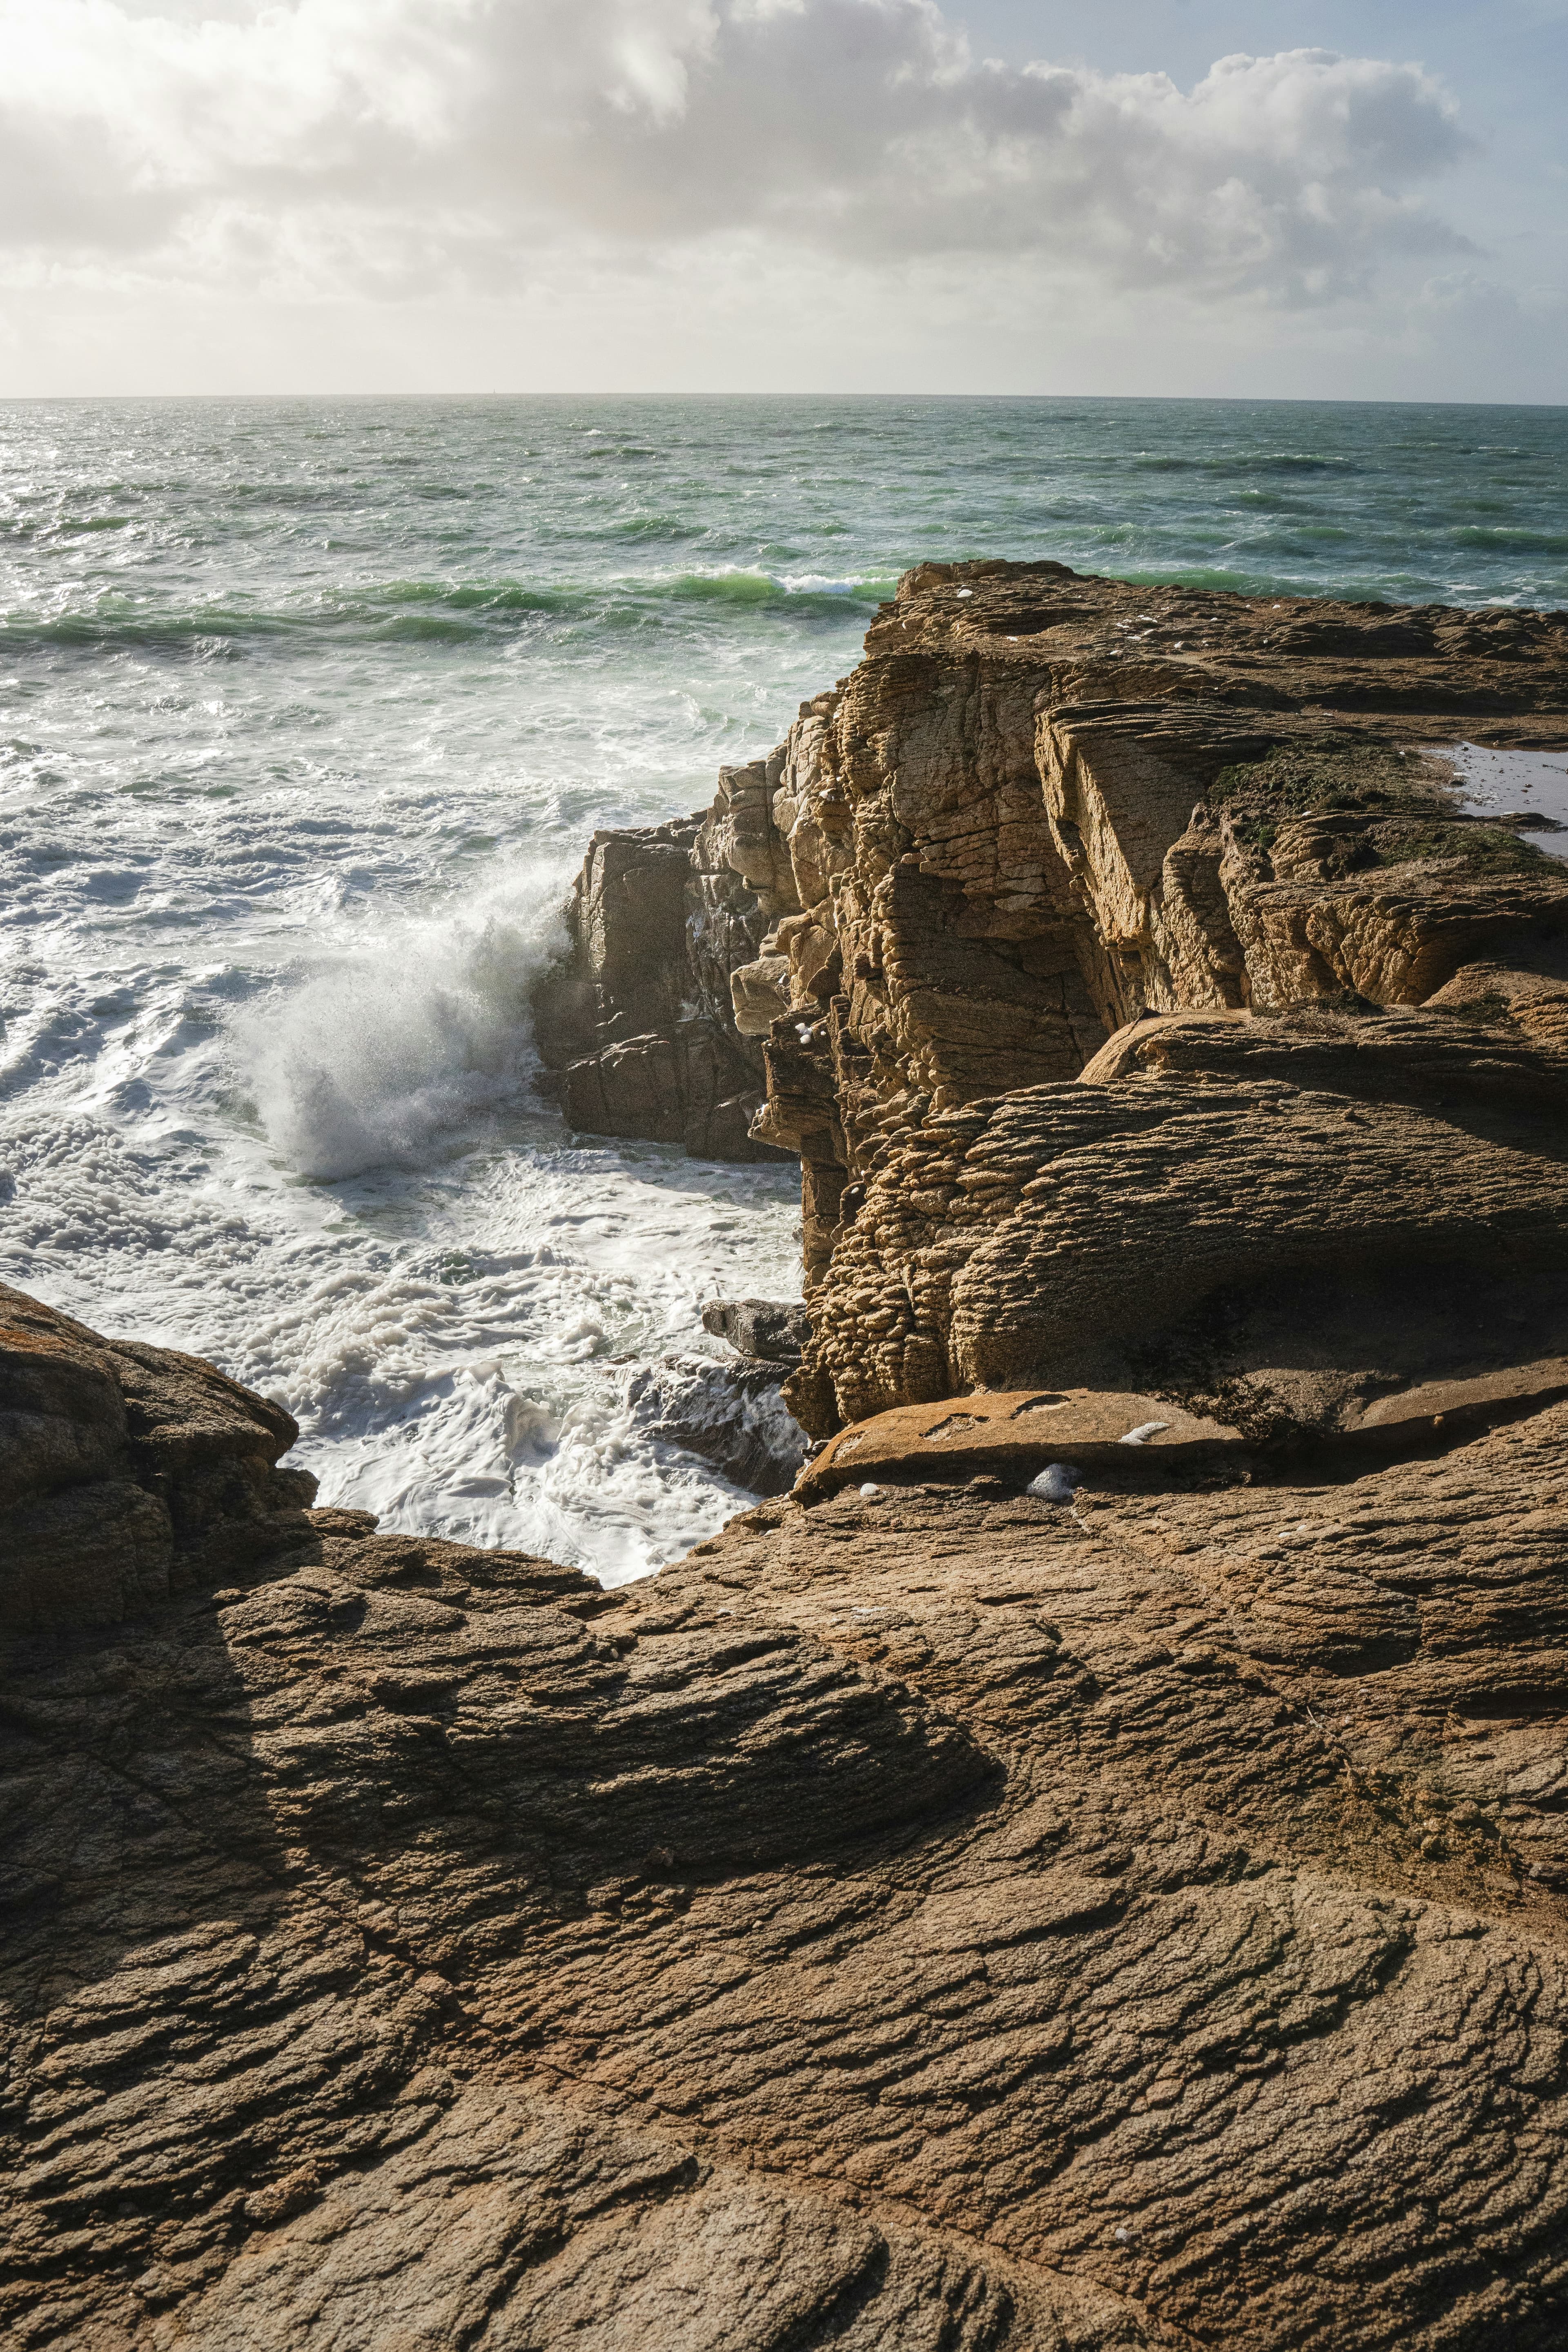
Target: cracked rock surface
(935, 1917)
(955, 1908)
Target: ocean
(310, 708)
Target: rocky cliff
(1088, 1867)
(1044, 808)
(634, 1024)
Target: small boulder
(773, 1329)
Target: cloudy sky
(1272, 197)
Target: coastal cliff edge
(1088, 1867)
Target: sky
(1254, 198)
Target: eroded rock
(732, 1416)
(125, 1470)
(935, 1913)
(774, 1331)
(930, 1916)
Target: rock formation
(771, 1330)
(731, 1415)
(1045, 808)
(1087, 1868)
(634, 1024)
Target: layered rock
(931, 1917)
(1086, 1868)
(126, 1472)
(1044, 808)
(633, 1023)
(1279, 1218)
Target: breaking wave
(316, 705)
(458, 611)
(377, 1056)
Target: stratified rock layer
(934, 1918)
(1045, 809)
(126, 1472)
(633, 1023)
(955, 1908)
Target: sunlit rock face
(1086, 1867)
(1046, 813)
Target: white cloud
(393, 145)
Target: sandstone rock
(1020, 1434)
(760, 993)
(1044, 807)
(1017, 1433)
(1272, 1253)
(1066, 806)
(934, 1914)
(636, 1021)
(1530, 988)
(626, 962)
(935, 1917)
(123, 1469)
(681, 1085)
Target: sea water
(310, 708)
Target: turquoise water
(309, 709)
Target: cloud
(391, 145)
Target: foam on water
(307, 712)
(456, 1306)
(366, 1059)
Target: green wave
(755, 590)
(433, 611)
(1505, 539)
(1245, 462)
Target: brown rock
(682, 1085)
(625, 968)
(773, 1331)
(1018, 1434)
(121, 1468)
(635, 1020)
(944, 1916)
(938, 1918)
(1270, 1252)
(1045, 805)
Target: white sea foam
(326, 1171)
(368, 1058)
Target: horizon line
(1147, 399)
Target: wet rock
(626, 964)
(773, 1329)
(636, 1024)
(731, 1415)
(683, 1085)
